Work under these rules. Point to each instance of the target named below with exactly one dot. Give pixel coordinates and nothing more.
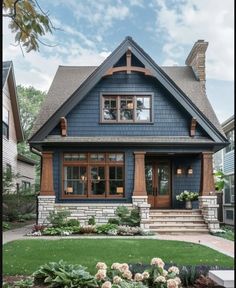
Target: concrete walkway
(221, 245)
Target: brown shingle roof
(69, 78)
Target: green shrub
(91, 221)
(88, 229)
(126, 217)
(28, 216)
(5, 226)
(103, 229)
(58, 219)
(13, 215)
(114, 221)
(72, 222)
(64, 275)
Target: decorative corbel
(193, 127)
(63, 126)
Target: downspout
(37, 152)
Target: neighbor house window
(126, 108)
(5, 123)
(92, 175)
(230, 137)
(229, 189)
(25, 185)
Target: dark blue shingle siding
(169, 117)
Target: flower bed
(118, 275)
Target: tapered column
(207, 185)
(139, 174)
(47, 174)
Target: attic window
(126, 108)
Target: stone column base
(208, 205)
(144, 207)
(45, 206)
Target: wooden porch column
(139, 174)
(47, 174)
(207, 185)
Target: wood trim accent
(128, 70)
(139, 174)
(193, 127)
(207, 181)
(63, 126)
(47, 174)
(128, 61)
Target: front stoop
(177, 222)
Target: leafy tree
(30, 101)
(219, 179)
(28, 21)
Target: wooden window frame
(118, 96)
(106, 163)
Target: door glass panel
(163, 179)
(98, 180)
(149, 174)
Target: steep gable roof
(180, 81)
(9, 77)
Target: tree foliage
(30, 101)
(28, 21)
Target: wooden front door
(158, 183)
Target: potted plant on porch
(188, 197)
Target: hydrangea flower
(157, 262)
(117, 280)
(160, 279)
(101, 265)
(173, 269)
(101, 274)
(106, 284)
(138, 277)
(171, 283)
(127, 274)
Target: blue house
(128, 132)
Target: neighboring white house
(224, 161)
(12, 131)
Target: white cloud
(38, 69)
(185, 22)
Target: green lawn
(25, 256)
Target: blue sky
(165, 29)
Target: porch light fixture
(69, 190)
(83, 179)
(96, 180)
(179, 171)
(190, 171)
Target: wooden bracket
(63, 126)
(193, 127)
(128, 68)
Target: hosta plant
(62, 275)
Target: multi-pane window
(126, 108)
(230, 137)
(93, 175)
(229, 189)
(5, 123)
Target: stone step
(177, 225)
(175, 211)
(177, 217)
(164, 220)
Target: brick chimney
(196, 59)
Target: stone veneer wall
(83, 211)
(101, 211)
(208, 206)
